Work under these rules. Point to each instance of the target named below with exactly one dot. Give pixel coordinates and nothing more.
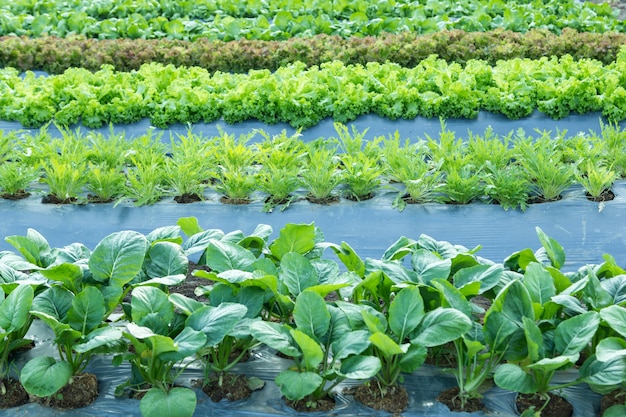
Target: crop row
(283, 20)
(56, 55)
(512, 170)
(304, 96)
(384, 317)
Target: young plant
(462, 183)
(186, 179)
(362, 175)
(145, 182)
(320, 175)
(324, 348)
(65, 179)
(15, 320)
(16, 178)
(543, 162)
(509, 185)
(490, 149)
(160, 341)
(401, 330)
(110, 151)
(596, 179)
(281, 158)
(80, 332)
(104, 183)
(236, 174)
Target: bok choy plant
(324, 348)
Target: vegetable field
(278, 208)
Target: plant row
(384, 318)
(406, 49)
(512, 170)
(304, 96)
(283, 20)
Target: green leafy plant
(320, 175)
(324, 348)
(105, 183)
(596, 179)
(462, 183)
(236, 175)
(65, 179)
(16, 178)
(160, 342)
(145, 183)
(15, 320)
(508, 186)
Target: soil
(306, 405)
(187, 198)
(395, 400)
(606, 195)
(80, 392)
(19, 195)
(617, 397)
(53, 199)
(450, 398)
(328, 200)
(234, 387)
(15, 394)
(539, 200)
(228, 200)
(359, 198)
(557, 406)
(97, 200)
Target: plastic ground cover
(423, 386)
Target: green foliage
(17, 177)
(321, 174)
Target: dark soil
(617, 397)
(187, 198)
(15, 394)
(450, 398)
(306, 405)
(53, 199)
(80, 392)
(395, 400)
(328, 200)
(97, 200)
(556, 407)
(234, 387)
(539, 199)
(19, 195)
(352, 197)
(236, 201)
(606, 195)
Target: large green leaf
(177, 402)
(276, 336)
(150, 300)
(513, 378)
(498, 330)
(70, 275)
(187, 343)
(406, 312)
(216, 322)
(387, 346)
(312, 353)
(616, 288)
(413, 358)
(165, 259)
(200, 240)
(102, 336)
(393, 270)
(189, 226)
(43, 376)
(539, 284)
(311, 315)
(611, 348)
(298, 238)
(349, 257)
(441, 326)
(55, 302)
(513, 302)
(165, 234)
(223, 256)
(297, 385)
(603, 373)
(87, 310)
(615, 316)
(534, 340)
(350, 343)
(574, 334)
(360, 367)
(33, 247)
(553, 249)
(118, 258)
(297, 273)
(14, 310)
(429, 266)
(615, 411)
(486, 276)
(451, 296)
